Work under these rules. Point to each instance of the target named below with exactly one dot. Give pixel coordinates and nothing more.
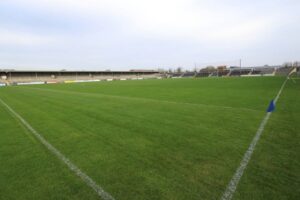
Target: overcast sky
(126, 34)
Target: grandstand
(176, 75)
(202, 74)
(240, 71)
(283, 71)
(267, 70)
(188, 74)
(11, 77)
(205, 72)
(236, 71)
(223, 72)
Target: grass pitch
(151, 139)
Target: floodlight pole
(240, 66)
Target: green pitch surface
(151, 139)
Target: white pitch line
(89, 181)
(231, 187)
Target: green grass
(274, 172)
(150, 139)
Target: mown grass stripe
(88, 180)
(141, 99)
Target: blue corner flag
(271, 107)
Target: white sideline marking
(231, 187)
(89, 181)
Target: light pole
(240, 66)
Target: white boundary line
(89, 181)
(231, 187)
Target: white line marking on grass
(89, 181)
(231, 187)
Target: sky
(142, 34)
